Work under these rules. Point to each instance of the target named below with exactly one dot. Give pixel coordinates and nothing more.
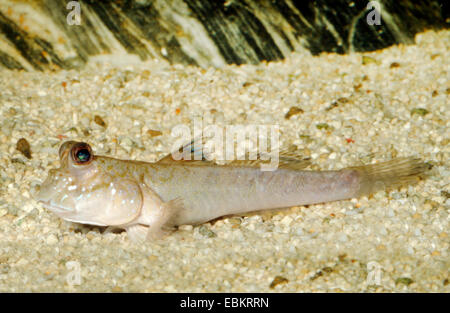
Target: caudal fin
(390, 174)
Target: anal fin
(137, 233)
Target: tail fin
(390, 174)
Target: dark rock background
(36, 35)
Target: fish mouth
(54, 208)
(66, 214)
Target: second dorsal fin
(286, 159)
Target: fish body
(149, 199)
(209, 192)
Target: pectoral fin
(165, 223)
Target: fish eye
(81, 153)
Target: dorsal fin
(293, 161)
(196, 155)
(191, 152)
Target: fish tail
(390, 174)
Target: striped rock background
(36, 34)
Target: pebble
(24, 147)
(99, 121)
(186, 227)
(51, 239)
(154, 133)
(286, 221)
(205, 231)
(342, 237)
(277, 281)
(293, 111)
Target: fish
(151, 199)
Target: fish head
(82, 189)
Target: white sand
(401, 237)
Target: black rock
(207, 33)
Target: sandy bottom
(355, 109)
